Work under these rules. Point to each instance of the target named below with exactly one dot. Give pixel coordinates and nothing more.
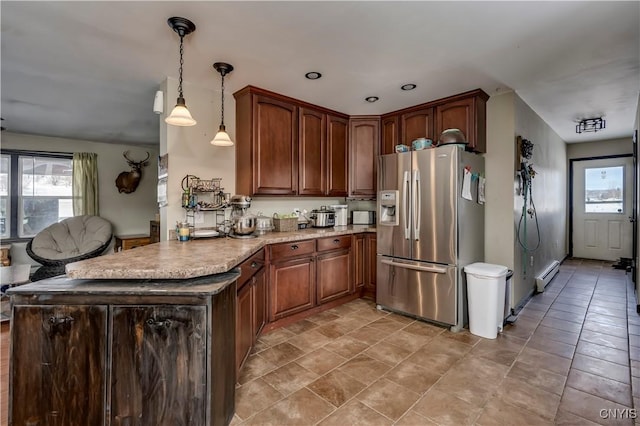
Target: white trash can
(486, 298)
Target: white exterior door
(602, 197)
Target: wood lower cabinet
(58, 365)
(292, 286)
(358, 262)
(97, 352)
(370, 265)
(250, 306)
(244, 324)
(364, 140)
(333, 275)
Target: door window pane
(604, 189)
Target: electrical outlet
(531, 261)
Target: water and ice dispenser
(387, 208)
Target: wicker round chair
(70, 240)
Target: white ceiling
(89, 70)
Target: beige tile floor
(574, 351)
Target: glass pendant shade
(222, 138)
(180, 116)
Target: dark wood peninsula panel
(123, 351)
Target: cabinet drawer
(292, 249)
(333, 243)
(250, 266)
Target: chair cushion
(71, 237)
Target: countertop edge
(122, 265)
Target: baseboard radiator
(547, 275)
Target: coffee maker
(243, 224)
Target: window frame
(14, 187)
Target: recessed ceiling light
(313, 75)
(371, 98)
(408, 86)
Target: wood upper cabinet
(390, 133)
(337, 156)
(416, 124)
(266, 145)
(364, 141)
(58, 365)
(158, 364)
(468, 113)
(312, 147)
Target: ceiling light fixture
(408, 86)
(590, 125)
(371, 99)
(180, 116)
(222, 137)
(313, 75)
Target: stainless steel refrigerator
(427, 231)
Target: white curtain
(85, 184)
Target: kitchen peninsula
(151, 333)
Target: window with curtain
(35, 191)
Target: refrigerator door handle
(434, 269)
(406, 201)
(417, 207)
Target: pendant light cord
(180, 70)
(222, 120)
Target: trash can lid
(486, 270)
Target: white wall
(600, 148)
(128, 213)
(498, 211)
(507, 117)
(549, 196)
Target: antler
(132, 162)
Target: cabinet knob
(254, 265)
(336, 241)
(294, 247)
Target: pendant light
(222, 137)
(180, 116)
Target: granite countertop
(198, 257)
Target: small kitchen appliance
(363, 217)
(243, 223)
(323, 218)
(342, 213)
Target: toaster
(363, 217)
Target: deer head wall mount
(127, 182)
